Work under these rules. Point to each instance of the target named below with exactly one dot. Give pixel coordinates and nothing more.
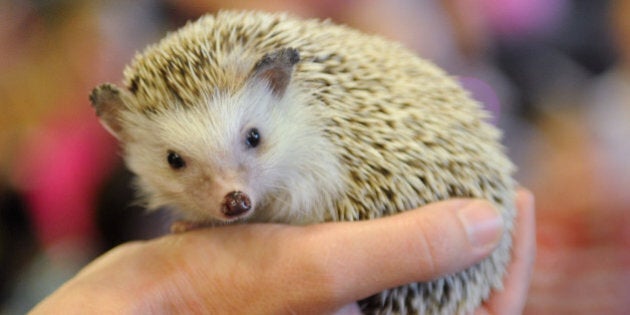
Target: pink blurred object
(582, 265)
(484, 94)
(60, 170)
(522, 17)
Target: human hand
(270, 268)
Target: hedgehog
(246, 116)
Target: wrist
(78, 298)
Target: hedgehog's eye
(252, 138)
(175, 160)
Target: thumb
(415, 246)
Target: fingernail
(483, 223)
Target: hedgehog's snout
(235, 204)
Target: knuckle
(427, 253)
(438, 245)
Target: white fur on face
(291, 176)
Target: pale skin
(319, 269)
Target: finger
(511, 300)
(363, 258)
(350, 309)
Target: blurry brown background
(554, 73)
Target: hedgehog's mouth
(235, 207)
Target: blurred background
(554, 73)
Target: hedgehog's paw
(181, 226)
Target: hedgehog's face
(207, 160)
(254, 153)
(218, 160)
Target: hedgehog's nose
(235, 204)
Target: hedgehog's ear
(107, 100)
(276, 69)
